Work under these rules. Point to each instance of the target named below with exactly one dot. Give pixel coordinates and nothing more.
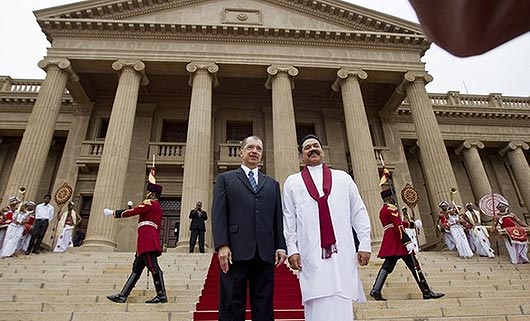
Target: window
(303, 130)
(174, 131)
(237, 131)
(103, 127)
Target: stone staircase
(476, 289)
(72, 287)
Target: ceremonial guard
(7, 217)
(28, 226)
(14, 231)
(516, 241)
(397, 245)
(443, 225)
(478, 235)
(456, 227)
(148, 247)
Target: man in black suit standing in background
(197, 227)
(248, 236)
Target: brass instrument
(22, 192)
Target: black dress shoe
(27, 252)
(432, 295)
(36, 252)
(118, 298)
(158, 299)
(377, 295)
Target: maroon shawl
(328, 243)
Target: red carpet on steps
(287, 297)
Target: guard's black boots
(160, 288)
(429, 294)
(127, 288)
(378, 285)
(424, 287)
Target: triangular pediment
(327, 15)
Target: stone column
(112, 171)
(334, 132)
(197, 176)
(438, 172)
(35, 145)
(521, 170)
(477, 174)
(68, 170)
(364, 164)
(286, 160)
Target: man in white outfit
(321, 208)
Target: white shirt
(44, 211)
(255, 171)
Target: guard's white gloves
(410, 248)
(419, 224)
(130, 203)
(108, 212)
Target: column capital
(208, 66)
(344, 73)
(415, 76)
(274, 70)
(62, 63)
(513, 145)
(468, 144)
(136, 65)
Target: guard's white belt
(386, 227)
(144, 223)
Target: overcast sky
(503, 70)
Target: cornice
(345, 14)
(467, 112)
(86, 28)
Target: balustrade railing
(515, 102)
(457, 99)
(21, 86)
(92, 149)
(172, 152)
(229, 153)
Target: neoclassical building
(183, 81)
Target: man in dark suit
(197, 227)
(248, 236)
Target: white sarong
(333, 307)
(64, 240)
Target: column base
(98, 245)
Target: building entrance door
(170, 221)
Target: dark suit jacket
(197, 223)
(246, 220)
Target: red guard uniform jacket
(148, 236)
(391, 220)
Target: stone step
(73, 286)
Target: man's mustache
(314, 151)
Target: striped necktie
(252, 181)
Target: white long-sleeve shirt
(44, 211)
